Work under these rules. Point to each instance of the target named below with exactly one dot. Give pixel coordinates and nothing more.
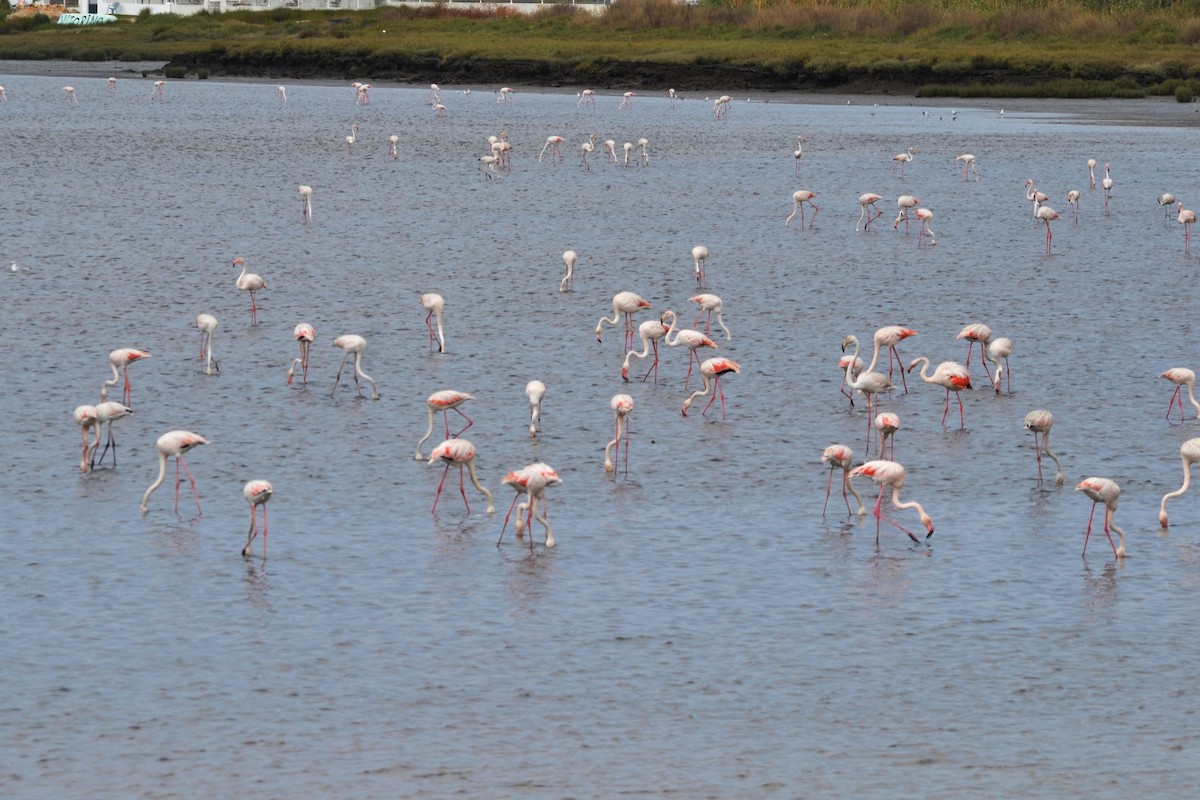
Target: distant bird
(977, 332)
(839, 456)
(710, 372)
(531, 480)
(885, 474)
(121, 359)
(488, 165)
(887, 338)
(568, 281)
(306, 202)
(304, 334)
(1047, 214)
(904, 203)
(1107, 183)
(998, 350)
(644, 151)
(650, 332)
(506, 94)
(257, 493)
(671, 94)
(722, 105)
(869, 382)
(1103, 490)
(587, 98)
(902, 160)
(628, 148)
(1189, 453)
(281, 90)
(627, 100)
(622, 407)
(351, 139)
(157, 93)
(444, 401)
(434, 304)
(354, 345)
(799, 198)
(393, 147)
(968, 165)
(627, 304)
(459, 453)
(1091, 165)
(1181, 377)
(710, 304)
(174, 443)
(1040, 422)
(925, 216)
(1187, 218)
(554, 145)
(854, 365)
(869, 212)
(699, 259)
(112, 84)
(1167, 201)
(887, 424)
(249, 282)
(798, 153)
(207, 324)
(69, 93)
(85, 418)
(3, 96)
(1073, 199)
(952, 376)
(535, 391)
(586, 148)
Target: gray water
(701, 630)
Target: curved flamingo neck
(162, 474)
(924, 373)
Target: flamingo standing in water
(1189, 453)
(249, 282)
(69, 93)
(710, 372)
(1047, 214)
(106, 414)
(120, 360)
(1073, 199)
(887, 424)
(855, 365)
(531, 480)
(949, 374)
(174, 443)
(839, 456)
(207, 324)
(627, 100)
(925, 216)
(112, 84)
(1181, 377)
(257, 493)
(1167, 201)
(699, 258)
(710, 304)
(3, 96)
(998, 350)
(1040, 421)
(280, 90)
(393, 153)
(460, 453)
(587, 98)
(506, 94)
(888, 337)
(305, 202)
(722, 105)
(622, 407)
(351, 139)
(869, 382)
(444, 401)
(968, 165)
(650, 332)
(1107, 183)
(554, 144)
(354, 345)
(798, 153)
(434, 304)
(305, 335)
(869, 212)
(157, 93)
(902, 160)
(1091, 165)
(1186, 218)
(568, 281)
(1034, 196)
(904, 203)
(535, 391)
(628, 304)
(890, 473)
(1103, 490)
(799, 198)
(977, 332)
(692, 340)
(85, 417)
(586, 148)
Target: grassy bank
(1003, 48)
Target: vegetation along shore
(930, 48)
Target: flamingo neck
(162, 474)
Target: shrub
(1183, 94)
(175, 73)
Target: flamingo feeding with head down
(1103, 490)
(627, 304)
(1189, 453)
(1186, 218)
(1038, 422)
(444, 401)
(968, 165)
(710, 304)
(622, 407)
(1073, 199)
(207, 324)
(249, 282)
(460, 453)
(434, 304)
(1091, 165)
(120, 360)
(952, 376)
(891, 473)
(535, 391)
(174, 443)
(869, 212)
(650, 332)
(977, 332)
(888, 337)
(106, 414)
(587, 98)
(839, 456)
(568, 281)
(887, 424)
(998, 351)
(799, 198)
(353, 344)
(925, 216)
(692, 340)
(1181, 377)
(904, 203)
(257, 493)
(869, 382)
(699, 258)
(855, 365)
(306, 193)
(85, 417)
(710, 373)
(554, 145)
(530, 480)
(305, 335)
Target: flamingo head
(849, 340)
(928, 523)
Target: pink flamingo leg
(437, 496)
(1037, 449)
(893, 352)
(1171, 405)
(654, 366)
(253, 309)
(1087, 535)
(627, 427)
(264, 508)
(462, 488)
(511, 506)
(179, 462)
(1108, 512)
(828, 490)
(127, 391)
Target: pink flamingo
(888, 337)
(158, 93)
(207, 324)
(887, 424)
(1181, 377)
(977, 332)
(890, 473)
(710, 373)
(257, 493)
(586, 148)
(904, 203)
(1039, 422)
(692, 340)
(444, 401)
(998, 350)
(554, 143)
(952, 376)
(280, 90)
(1186, 218)
(434, 304)
(1189, 453)
(869, 382)
(1091, 165)
(174, 443)
(352, 344)
(393, 152)
(1047, 214)
(531, 480)
(799, 198)
(855, 365)
(69, 93)
(699, 258)
(460, 453)
(627, 100)
(305, 334)
(902, 160)
(1107, 183)
(1073, 199)
(622, 407)
(650, 332)
(869, 212)
(85, 417)
(1103, 490)
(968, 165)
(627, 304)
(568, 281)
(120, 360)
(722, 105)
(506, 94)
(1034, 196)
(535, 391)
(1167, 201)
(106, 414)
(710, 304)
(587, 98)
(839, 456)
(925, 216)
(249, 282)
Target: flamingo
(627, 303)
(710, 372)
(1073, 199)
(305, 335)
(554, 144)
(869, 382)
(868, 201)
(112, 84)
(257, 493)
(439, 110)
(305, 202)
(977, 332)
(968, 165)
(1107, 183)
(644, 151)
(951, 375)
(568, 281)
(692, 340)
(1103, 490)
(1091, 165)
(711, 304)
(610, 146)
(887, 424)
(106, 414)
(722, 105)
(354, 345)
(121, 359)
(1040, 421)
(361, 94)
(1181, 377)
(1034, 196)
(506, 94)
(798, 153)
(1187, 218)
(174, 443)
(249, 282)
(351, 139)
(393, 147)
(622, 407)
(69, 93)
(488, 165)
(799, 198)
(628, 148)
(3, 96)
(158, 93)
(444, 401)
(460, 453)
(434, 304)
(535, 391)
(699, 259)
(902, 160)
(627, 100)
(1047, 214)
(650, 332)
(839, 456)
(925, 216)
(891, 473)
(904, 203)
(586, 148)
(1189, 453)
(888, 337)
(280, 90)
(433, 92)
(532, 479)
(999, 350)
(207, 324)
(587, 98)
(855, 365)
(671, 94)
(1167, 201)
(85, 417)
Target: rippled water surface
(701, 630)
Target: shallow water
(700, 630)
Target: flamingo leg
(179, 462)
(470, 422)
(1087, 535)
(437, 496)
(1108, 516)
(264, 508)
(304, 348)
(962, 422)
(654, 366)
(1171, 405)
(253, 309)
(892, 351)
(842, 389)
(506, 516)
(828, 490)
(1037, 449)
(846, 497)
(878, 513)
(946, 411)
(627, 427)
(895, 524)
(462, 488)
(127, 392)
(692, 356)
